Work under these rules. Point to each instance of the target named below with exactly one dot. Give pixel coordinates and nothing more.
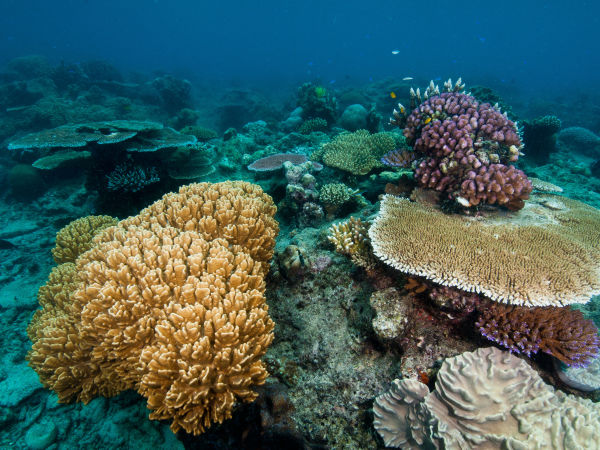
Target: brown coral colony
(169, 302)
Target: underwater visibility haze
(311, 225)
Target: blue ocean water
(106, 106)
(543, 45)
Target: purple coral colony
(464, 148)
(303, 267)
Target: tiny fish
(407, 78)
(392, 94)
(426, 121)
(395, 52)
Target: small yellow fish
(407, 78)
(392, 94)
(426, 121)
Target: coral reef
(357, 153)
(488, 399)
(464, 148)
(169, 302)
(560, 332)
(76, 238)
(316, 101)
(547, 254)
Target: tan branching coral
(76, 237)
(351, 238)
(169, 302)
(486, 399)
(542, 255)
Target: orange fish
(392, 94)
(426, 121)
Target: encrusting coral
(485, 399)
(76, 237)
(548, 254)
(169, 302)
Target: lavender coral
(465, 148)
(560, 332)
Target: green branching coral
(310, 125)
(357, 153)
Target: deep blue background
(529, 44)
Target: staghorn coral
(169, 302)
(546, 255)
(464, 149)
(357, 153)
(128, 177)
(485, 399)
(312, 125)
(76, 238)
(351, 238)
(560, 332)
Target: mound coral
(76, 237)
(547, 254)
(539, 136)
(357, 153)
(560, 332)
(169, 302)
(485, 399)
(464, 149)
(580, 140)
